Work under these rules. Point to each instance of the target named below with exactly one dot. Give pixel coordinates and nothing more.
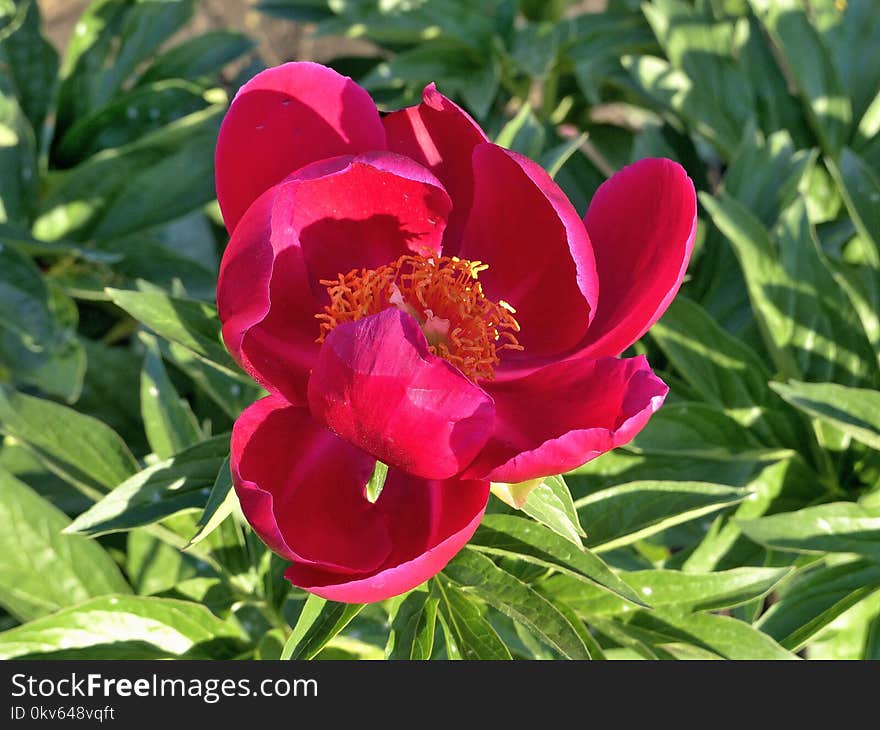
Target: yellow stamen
(445, 297)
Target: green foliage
(742, 523)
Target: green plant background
(742, 523)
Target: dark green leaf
(318, 623)
(413, 621)
(468, 634)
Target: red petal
(537, 249)
(440, 135)
(642, 224)
(302, 490)
(328, 218)
(377, 385)
(429, 522)
(565, 414)
(283, 118)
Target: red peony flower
(411, 293)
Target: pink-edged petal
(302, 490)
(441, 136)
(642, 223)
(282, 119)
(377, 385)
(364, 212)
(429, 522)
(539, 255)
(565, 414)
(262, 275)
(328, 218)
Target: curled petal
(642, 223)
(303, 491)
(565, 414)
(283, 118)
(377, 385)
(441, 136)
(328, 218)
(539, 255)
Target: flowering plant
(429, 314)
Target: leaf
(169, 422)
(855, 411)
(181, 482)
(837, 527)
(412, 626)
(479, 576)
(38, 342)
(626, 513)
(187, 322)
(808, 323)
(197, 57)
(221, 503)
(671, 589)
(726, 373)
(468, 634)
(524, 133)
(860, 188)
(813, 600)
(809, 62)
(155, 179)
(550, 503)
(725, 636)
(124, 627)
(127, 117)
(43, 570)
(79, 448)
(521, 538)
(319, 622)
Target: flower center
(444, 296)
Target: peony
(415, 297)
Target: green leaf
(725, 636)
(181, 482)
(813, 600)
(726, 373)
(128, 117)
(187, 322)
(43, 570)
(838, 527)
(808, 323)
(38, 343)
(124, 627)
(550, 503)
(855, 411)
(809, 62)
(524, 133)
(197, 57)
(671, 589)
(221, 503)
(318, 623)
(478, 575)
(169, 422)
(626, 513)
(860, 188)
(852, 635)
(468, 634)
(78, 448)
(153, 180)
(520, 538)
(413, 620)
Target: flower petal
(378, 386)
(328, 218)
(565, 414)
(302, 490)
(539, 255)
(283, 118)
(429, 522)
(642, 223)
(441, 136)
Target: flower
(411, 293)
